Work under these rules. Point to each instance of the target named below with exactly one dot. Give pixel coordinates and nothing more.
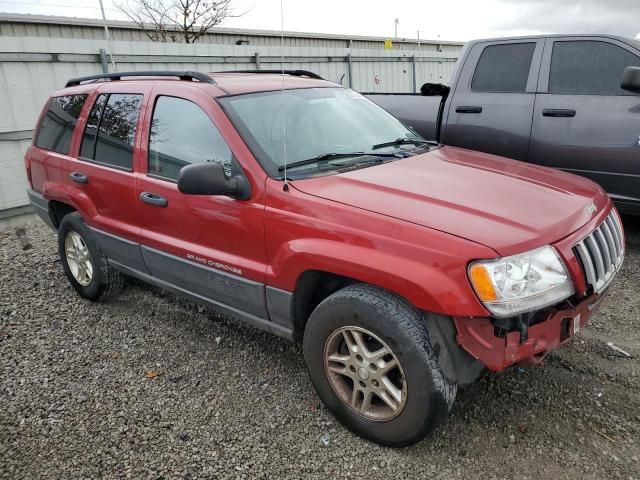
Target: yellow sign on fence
(388, 44)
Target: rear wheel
(84, 263)
(371, 362)
(78, 258)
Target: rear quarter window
(56, 128)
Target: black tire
(106, 282)
(402, 327)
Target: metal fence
(33, 67)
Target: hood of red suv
(504, 204)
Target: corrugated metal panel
(13, 179)
(70, 27)
(25, 85)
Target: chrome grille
(601, 252)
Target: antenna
(285, 187)
(106, 35)
(419, 57)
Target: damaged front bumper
(499, 348)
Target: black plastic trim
(41, 206)
(295, 73)
(253, 320)
(255, 303)
(279, 303)
(182, 75)
(119, 249)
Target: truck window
(181, 134)
(503, 68)
(589, 67)
(114, 118)
(58, 123)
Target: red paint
(216, 228)
(411, 226)
(507, 205)
(477, 337)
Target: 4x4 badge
(591, 209)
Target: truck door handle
(79, 177)
(153, 199)
(468, 109)
(558, 112)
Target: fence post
(257, 60)
(349, 70)
(103, 61)
(415, 74)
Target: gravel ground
(228, 401)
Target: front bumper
(478, 335)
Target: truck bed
(415, 110)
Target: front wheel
(370, 359)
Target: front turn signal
(482, 283)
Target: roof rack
(295, 73)
(184, 75)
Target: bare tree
(176, 20)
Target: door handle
(468, 109)
(153, 199)
(79, 177)
(558, 112)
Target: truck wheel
(84, 263)
(372, 364)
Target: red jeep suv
(300, 207)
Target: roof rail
(184, 75)
(296, 73)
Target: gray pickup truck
(569, 102)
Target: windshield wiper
(335, 155)
(402, 141)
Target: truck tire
(370, 360)
(84, 263)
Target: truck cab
(570, 102)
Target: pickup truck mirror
(434, 90)
(209, 179)
(631, 79)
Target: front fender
(432, 286)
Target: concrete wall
(33, 65)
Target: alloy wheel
(78, 258)
(365, 374)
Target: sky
(458, 20)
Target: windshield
(313, 122)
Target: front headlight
(521, 283)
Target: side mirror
(434, 90)
(209, 179)
(631, 79)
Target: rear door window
(111, 128)
(59, 121)
(589, 67)
(503, 68)
(182, 134)
(88, 145)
